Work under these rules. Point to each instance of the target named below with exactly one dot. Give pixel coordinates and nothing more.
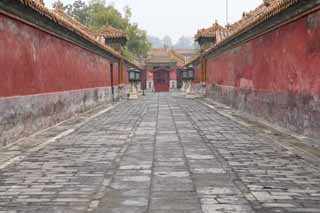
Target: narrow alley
(159, 106)
(163, 153)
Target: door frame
(163, 87)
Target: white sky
(178, 18)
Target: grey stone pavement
(162, 153)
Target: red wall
(173, 73)
(197, 73)
(125, 75)
(285, 60)
(32, 61)
(115, 74)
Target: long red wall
(285, 60)
(33, 61)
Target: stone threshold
(304, 147)
(18, 150)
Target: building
(113, 37)
(162, 69)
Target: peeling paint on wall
(272, 62)
(275, 76)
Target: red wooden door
(161, 81)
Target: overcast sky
(178, 18)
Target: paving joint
(302, 149)
(17, 158)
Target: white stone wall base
(173, 85)
(134, 93)
(150, 86)
(200, 89)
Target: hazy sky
(178, 18)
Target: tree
(97, 14)
(78, 10)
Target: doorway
(161, 81)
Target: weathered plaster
(299, 113)
(275, 76)
(23, 115)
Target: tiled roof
(73, 25)
(59, 10)
(266, 10)
(111, 32)
(61, 19)
(160, 55)
(210, 32)
(164, 55)
(186, 53)
(263, 12)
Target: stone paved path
(162, 154)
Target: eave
(35, 15)
(271, 22)
(157, 64)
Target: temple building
(113, 37)
(162, 69)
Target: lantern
(188, 73)
(134, 74)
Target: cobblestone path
(161, 154)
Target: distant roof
(165, 56)
(110, 32)
(186, 53)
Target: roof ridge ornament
(58, 7)
(40, 2)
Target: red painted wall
(115, 73)
(173, 73)
(33, 61)
(126, 75)
(284, 60)
(197, 73)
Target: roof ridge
(263, 12)
(74, 26)
(63, 21)
(112, 32)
